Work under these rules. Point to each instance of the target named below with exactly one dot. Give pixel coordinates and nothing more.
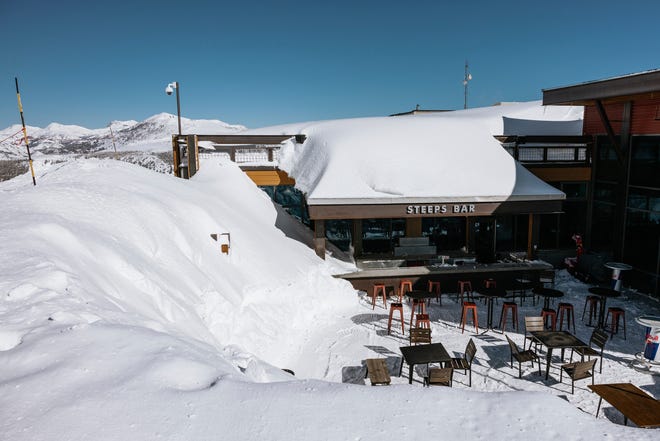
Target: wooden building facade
(622, 115)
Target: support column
(414, 227)
(319, 237)
(532, 235)
(357, 238)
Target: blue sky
(264, 63)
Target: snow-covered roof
(442, 157)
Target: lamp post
(183, 160)
(168, 90)
(466, 79)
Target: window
(380, 235)
(645, 161)
(607, 165)
(339, 232)
(291, 199)
(447, 234)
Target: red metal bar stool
(379, 288)
(395, 307)
(464, 286)
(422, 321)
(404, 287)
(434, 286)
(509, 306)
(549, 314)
(418, 307)
(592, 302)
(467, 307)
(570, 316)
(614, 325)
(490, 283)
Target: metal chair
(522, 356)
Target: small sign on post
(225, 241)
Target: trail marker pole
(25, 137)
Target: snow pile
(121, 319)
(444, 157)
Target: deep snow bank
(106, 242)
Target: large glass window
(447, 234)
(380, 235)
(504, 233)
(339, 232)
(291, 199)
(642, 240)
(548, 230)
(645, 161)
(607, 165)
(602, 225)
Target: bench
(635, 404)
(377, 371)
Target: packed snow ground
(121, 319)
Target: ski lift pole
(25, 137)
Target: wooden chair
(439, 376)
(598, 339)
(578, 371)
(533, 323)
(522, 356)
(378, 372)
(420, 335)
(465, 363)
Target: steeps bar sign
(440, 209)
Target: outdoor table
(616, 268)
(547, 294)
(603, 293)
(631, 401)
(423, 354)
(556, 340)
(491, 294)
(419, 295)
(522, 285)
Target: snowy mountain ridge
(151, 135)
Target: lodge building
(597, 177)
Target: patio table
(419, 295)
(547, 294)
(635, 404)
(604, 294)
(491, 294)
(423, 354)
(556, 340)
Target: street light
(468, 77)
(168, 90)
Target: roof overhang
(643, 84)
